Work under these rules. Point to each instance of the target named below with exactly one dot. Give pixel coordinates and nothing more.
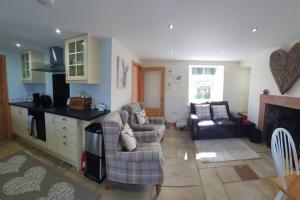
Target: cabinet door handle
(64, 128)
(64, 136)
(64, 119)
(65, 143)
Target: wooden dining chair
(286, 161)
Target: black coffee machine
(36, 99)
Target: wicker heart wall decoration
(285, 67)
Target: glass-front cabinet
(82, 60)
(32, 60)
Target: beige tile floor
(216, 180)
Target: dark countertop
(86, 115)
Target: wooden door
(5, 124)
(152, 91)
(136, 73)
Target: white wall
(119, 97)
(261, 78)
(236, 86)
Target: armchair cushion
(128, 139)
(144, 152)
(141, 117)
(156, 120)
(145, 136)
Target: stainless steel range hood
(56, 61)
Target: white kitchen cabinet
(19, 118)
(82, 60)
(32, 60)
(62, 137)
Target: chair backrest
(112, 124)
(284, 154)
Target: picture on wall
(122, 71)
(178, 78)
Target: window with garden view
(205, 83)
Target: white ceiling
(203, 28)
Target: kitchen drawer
(68, 150)
(71, 130)
(65, 120)
(65, 137)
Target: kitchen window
(206, 83)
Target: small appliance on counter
(36, 99)
(80, 103)
(46, 101)
(94, 153)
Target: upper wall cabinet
(32, 60)
(82, 60)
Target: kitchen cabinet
(19, 118)
(62, 137)
(82, 60)
(32, 60)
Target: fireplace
(282, 117)
(279, 111)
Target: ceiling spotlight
(172, 50)
(253, 30)
(18, 44)
(171, 26)
(222, 52)
(58, 31)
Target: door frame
(139, 67)
(4, 88)
(162, 89)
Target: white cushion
(203, 111)
(220, 112)
(128, 139)
(142, 117)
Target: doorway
(152, 93)
(136, 74)
(5, 127)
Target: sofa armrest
(145, 136)
(139, 156)
(156, 120)
(236, 118)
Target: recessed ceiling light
(222, 52)
(172, 50)
(47, 3)
(58, 31)
(171, 26)
(253, 30)
(18, 44)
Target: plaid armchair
(155, 123)
(142, 166)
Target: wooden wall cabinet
(32, 60)
(82, 60)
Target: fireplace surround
(273, 107)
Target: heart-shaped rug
(31, 181)
(12, 165)
(285, 67)
(60, 191)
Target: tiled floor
(235, 180)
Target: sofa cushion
(224, 122)
(193, 107)
(219, 112)
(206, 123)
(150, 146)
(203, 112)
